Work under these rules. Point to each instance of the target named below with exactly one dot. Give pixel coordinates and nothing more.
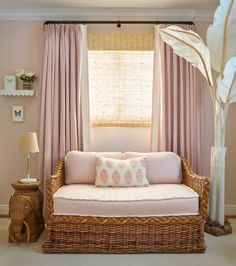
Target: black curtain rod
(117, 22)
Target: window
(120, 80)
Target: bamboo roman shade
(120, 42)
(120, 77)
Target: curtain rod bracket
(118, 24)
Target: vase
(26, 85)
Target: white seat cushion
(155, 200)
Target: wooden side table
(26, 214)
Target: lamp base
(28, 180)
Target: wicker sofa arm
(200, 184)
(53, 183)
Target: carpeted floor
(220, 251)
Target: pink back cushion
(162, 167)
(80, 166)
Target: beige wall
(20, 48)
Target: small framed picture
(10, 82)
(17, 113)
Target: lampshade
(29, 143)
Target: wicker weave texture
(180, 234)
(25, 211)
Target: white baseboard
(229, 209)
(4, 209)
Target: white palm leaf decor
(227, 85)
(189, 45)
(221, 37)
(221, 55)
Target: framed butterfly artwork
(10, 82)
(17, 113)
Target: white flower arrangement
(26, 76)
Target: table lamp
(29, 144)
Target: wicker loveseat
(96, 234)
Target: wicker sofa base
(69, 234)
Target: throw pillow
(121, 173)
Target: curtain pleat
(64, 116)
(176, 118)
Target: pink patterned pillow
(121, 173)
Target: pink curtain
(176, 104)
(64, 113)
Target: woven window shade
(120, 81)
(120, 42)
